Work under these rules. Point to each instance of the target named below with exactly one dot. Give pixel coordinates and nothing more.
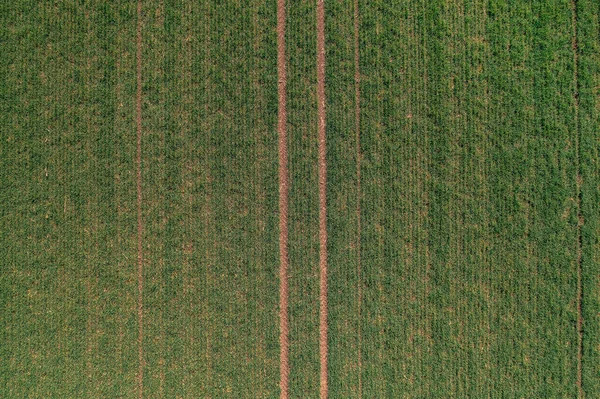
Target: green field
(463, 197)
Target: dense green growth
(588, 35)
(210, 189)
(67, 200)
(478, 202)
(471, 147)
(69, 252)
(301, 38)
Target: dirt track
(322, 197)
(284, 368)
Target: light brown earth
(322, 197)
(283, 204)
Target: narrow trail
(322, 172)
(580, 220)
(140, 259)
(358, 194)
(284, 345)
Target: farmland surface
(426, 201)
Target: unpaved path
(284, 345)
(322, 197)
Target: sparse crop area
(300, 199)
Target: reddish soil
(322, 164)
(283, 204)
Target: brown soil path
(140, 260)
(284, 345)
(322, 197)
(358, 194)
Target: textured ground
(440, 169)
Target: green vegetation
(210, 189)
(469, 200)
(67, 200)
(588, 26)
(342, 200)
(69, 251)
(301, 46)
(476, 119)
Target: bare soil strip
(358, 195)
(140, 260)
(284, 368)
(580, 220)
(322, 197)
